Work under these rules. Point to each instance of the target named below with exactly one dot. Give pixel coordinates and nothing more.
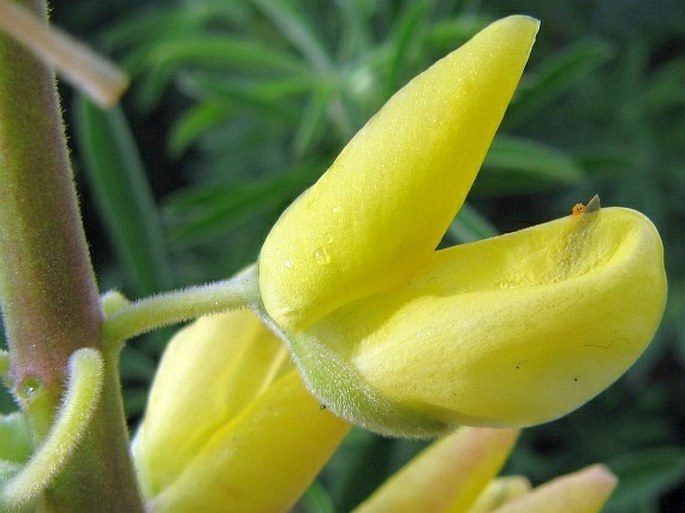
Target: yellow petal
(498, 492)
(263, 461)
(584, 491)
(514, 330)
(378, 213)
(211, 371)
(446, 477)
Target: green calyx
(340, 388)
(29, 481)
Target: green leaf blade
(118, 181)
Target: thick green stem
(47, 288)
(48, 292)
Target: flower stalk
(47, 288)
(126, 320)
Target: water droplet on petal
(29, 388)
(321, 256)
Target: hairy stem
(132, 319)
(48, 293)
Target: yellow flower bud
(584, 491)
(446, 477)
(381, 209)
(456, 474)
(225, 401)
(498, 492)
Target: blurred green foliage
(238, 105)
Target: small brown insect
(592, 206)
(577, 210)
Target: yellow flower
(456, 475)
(511, 331)
(227, 413)
(500, 491)
(584, 491)
(379, 212)
(448, 476)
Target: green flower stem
(48, 293)
(132, 319)
(47, 287)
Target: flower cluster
(510, 331)
(230, 423)
(398, 337)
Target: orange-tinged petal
(584, 491)
(498, 492)
(446, 477)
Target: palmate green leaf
(196, 121)
(446, 35)
(266, 95)
(359, 466)
(312, 123)
(315, 500)
(608, 158)
(157, 24)
(287, 16)
(403, 39)
(197, 215)
(559, 73)
(233, 98)
(644, 476)
(222, 52)
(122, 195)
(355, 34)
(262, 89)
(518, 165)
(208, 52)
(665, 87)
